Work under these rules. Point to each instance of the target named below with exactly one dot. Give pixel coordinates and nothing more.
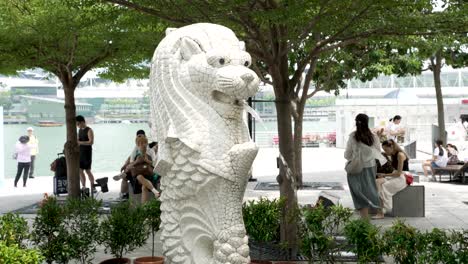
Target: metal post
(250, 123)
(250, 120)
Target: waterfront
(113, 143)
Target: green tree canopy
(294, 42)
(70, 37)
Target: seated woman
(142, 170)
(439, 159)
(452, 154)
(389, 184)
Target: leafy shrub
(13, 230)
(460, 245)
(82, 223)
(402, 242)
(364, 239)
(319, 227)
(262, 219)
(13, 254)
(49, 232)
(124, 230)
(437, 248)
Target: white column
(2, 150)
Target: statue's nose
(247, 77)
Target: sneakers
(124, 196)
(119, 176)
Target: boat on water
(48, 123)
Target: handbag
(409, 178)
(15, 156)
(355, 165)
(142, 168)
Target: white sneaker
(119, 176)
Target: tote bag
(355, 165)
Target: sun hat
(24, 139)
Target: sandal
(377, 217)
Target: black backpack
(59, 166)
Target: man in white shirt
(34, 146)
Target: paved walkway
(446, 203)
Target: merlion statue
(200, 79)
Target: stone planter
(116, 261)
(149, 260)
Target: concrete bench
(452, 170)
(409, 202)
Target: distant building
(29, 83)
(412, 97)
(47, 109)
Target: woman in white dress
(388, 184)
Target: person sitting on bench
(439, 159)
(124, 171)
(142, 175)
(452, 154)
(388, 184)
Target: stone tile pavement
(445, 202)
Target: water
(112, 143)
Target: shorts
(86, 157)
(434, 165)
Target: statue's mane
(176, 112)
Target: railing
(309, 138)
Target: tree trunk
(287, 176)
(437, 66)
(298, 121)
(72, 151)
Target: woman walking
(23, 156)
(361, 152)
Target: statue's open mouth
(223, 98)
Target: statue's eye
(246, 63)
(222, 61)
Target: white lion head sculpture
(200, 81)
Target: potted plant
(82, 221)
(13, 230)
(438, 247)
(49, 232)
(262, 219)
(402, 242)
(320, 230)
(123, 231)
(152, 212)
(13, 233)
(13, 253)
(365, 240)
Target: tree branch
(260, 74)
(72, 50)
(150, 11)
(83, 69)
(317, 89)
(308, 80)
